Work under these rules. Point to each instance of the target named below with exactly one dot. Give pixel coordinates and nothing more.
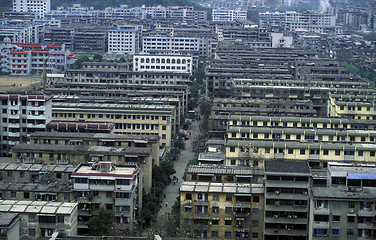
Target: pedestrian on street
(166, 204)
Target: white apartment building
(116, 188)
(22, 59)
(122, 41)
(162, 63)
(307, 21)
(227, 15)
(40, 7)
(171, 45)
(20, 116)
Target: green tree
(101, 223)
(97, 58)
(79, 61)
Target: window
(360, 153)
(256, 199)
(188, 209)
(227, 234)
(326, 152)
(255, 210)
(372, 153)
(122, 195)
(302, 151)
(232, 149)
(254, 223)
(228, 210)
(233, 161)
(350, 218)
(351, 204)
(215, 197)
(336, 204)
(228, 198)
(228, 222)
(13, 194)
(26, 195)
(188, 196)
(336, 218)
(350, 232)
(214, 234)
(32, 231)
(199, 196)
(215, 209)
(230, 178)
(32, 218)
(338, 152)
(22, 174)
(9, 173)
(335, 232)
(254, 235)
(60, 219)
(291, 151)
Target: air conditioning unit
(276, 230)
(118, 187)
(209, 223)
(351, 210)
(305, 193)
(189, 201)
(295, 216)
(276, 216)
(276, 192)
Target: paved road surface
(172, 191)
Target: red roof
(71, 56)
(2, 56)
(18, 52)
(29, 45)
(40, 51)
(54, 46)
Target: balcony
(13, 107)
(286, 208)
(321, 225)
(368, 212)
(286, 184)
(28, 160)
(122, 201)
(368, 225)
(286, 220)
(321, 211)
(102, 187)
(242, 215)
(36, 117)
(280, 196)
(201, 215)
(242, 205)
(29, 125)
(36, 108)
(14, 116)
(14, 134)
(201, 203)
(64, 161)
(285, 232)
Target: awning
(244, 176)
(134, 156)
(228, 219)
(215, 218)
(140, 141)
(187, 206)
(206, 174)
(243, 194)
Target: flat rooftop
(16, 83)
(37, 207)
(234, 188)
(120, 171)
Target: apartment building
(228, 15)
(99, 139)
(40, 7)
(128, 118)
(286, 200)
(231, 106)
(293, 21)
(162, 63)
(22, 115)
(90, 39)
(172, 45)
(42, 219)
(22, 59)
(223, 210)
(218, 124)
(317, 153)
(10, 226)
(121, 41)
(116, 188)
(352, 106)
(345, 207)
(36, 182)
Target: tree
(97, 58)
(101, 223)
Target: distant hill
(101, 4)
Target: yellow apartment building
(252, 153)
(128, 118)
(352, 106)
